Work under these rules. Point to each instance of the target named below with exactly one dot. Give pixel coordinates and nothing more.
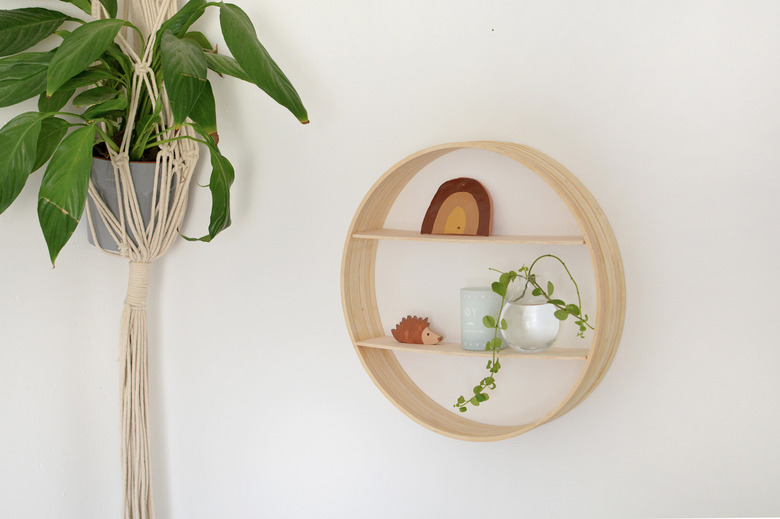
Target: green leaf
(461, 400)
(494, 344)
(489, 364)
(63, 190)
(573, 309)
(55, 102)
(26, 58)
(489, 321)
(53, 129)
(89, 77)
(477, 390)
(118, 61)
(22, 28)
(106, 107)
(561, 315)
(557, 302)
(504, 324)
(499, 288)
(205, 112)
(536, 292)
(504, 278)
(184, 69)
(241, 39)
(183, 19)
(110, 6)
(143, 131)
(482, 397)
(84, 5)
(80, 49)
(222, 176)
(462, 409)
(18, 141)
(225, 65)
(200, 39)
(23, 76)
(95, 95)
(474, 401)
(550, 288)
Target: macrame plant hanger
(142, 245)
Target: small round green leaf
(489, 321)
(561, 315)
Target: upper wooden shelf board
(449, 348)
(397, 234)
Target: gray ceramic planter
(102, 176)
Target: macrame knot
(191, 156)
(138, 285)
(121, 160)
(142, 68)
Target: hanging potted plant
(142, 95)
(97, 74)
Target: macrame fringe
(136, 459)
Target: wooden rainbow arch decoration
(460, 206)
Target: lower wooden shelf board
(450, 348)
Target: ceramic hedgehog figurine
(414, 330)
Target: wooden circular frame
(361, 311)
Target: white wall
(666, 110)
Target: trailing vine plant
(538, 288)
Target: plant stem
(107, 139)
(492, 374)
(156, 143)
(576, 287)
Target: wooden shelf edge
(399, 234)
(449, 348)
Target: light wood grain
(398, 234)
(451, 348)
(359, 295)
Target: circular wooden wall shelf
(360, 305)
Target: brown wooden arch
(461, 195)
